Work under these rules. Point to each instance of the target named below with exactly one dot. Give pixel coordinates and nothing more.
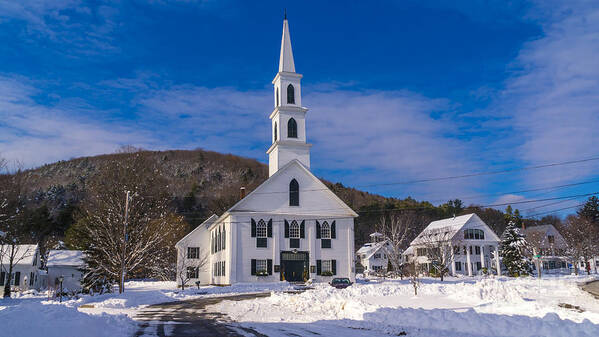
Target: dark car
(340, 282)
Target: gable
(272, 196)
(198, 233)
(478, 223)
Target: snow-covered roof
(376, 235)
(409, 251)
(546, 230)
(24, 254)
(65, 258)
(447, 228)
(370, 248)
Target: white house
(291, 227)
(373, 255)
(26, 263)
(68, 264)
(552, 247)
(473, 244)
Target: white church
(291, 227)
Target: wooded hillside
(202, 183)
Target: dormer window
(290, 94)
(291, 128)
(293, 193)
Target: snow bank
(36, 318)
(458, 307)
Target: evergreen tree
(590, 210)
(512, 249)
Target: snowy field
(455, 307)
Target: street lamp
(60, 279)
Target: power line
(555, 210)
(526, 168)
(424, 207)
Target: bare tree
(581, 238)
(12, 204)
(439, 249)
(396, 229)
(123, 242)
(412, 272)
(185, 266)
(536, 241)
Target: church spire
(286, 60)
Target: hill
(203, 183)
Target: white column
(482, 256)
(468, 264)
(497, 265)
(453, 260)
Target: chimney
(241, 193)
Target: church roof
(286, 63)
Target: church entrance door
(294, 266)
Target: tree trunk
(441, 276)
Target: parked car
(340, 282)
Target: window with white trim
(325, 230)
(193, 252)
(261, 229)
(294, 230)
(326, 266)
(261, 266)
(192, 272)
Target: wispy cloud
(553, 98)
(36, 134)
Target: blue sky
(397, 90)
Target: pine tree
(590, 210)
(512, 249)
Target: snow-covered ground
(456, 307)
(32, 314)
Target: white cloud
(553, 99)
(36, 134)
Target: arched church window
(261, 229)
(277, 96)
(293, 193)
(276, 131)
(325, 230)
(290, 94)
(294, 230)
(292, 128)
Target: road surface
(191, 319)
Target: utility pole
(125, 239)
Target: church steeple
(286, 59)
(288, 119)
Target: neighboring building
(472, 241)
(191, 250)
(291, 227)
(26, 263)
(68, 264)
(550, 245)
(373, 255)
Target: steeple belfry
(286, 59)
(288, 118)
